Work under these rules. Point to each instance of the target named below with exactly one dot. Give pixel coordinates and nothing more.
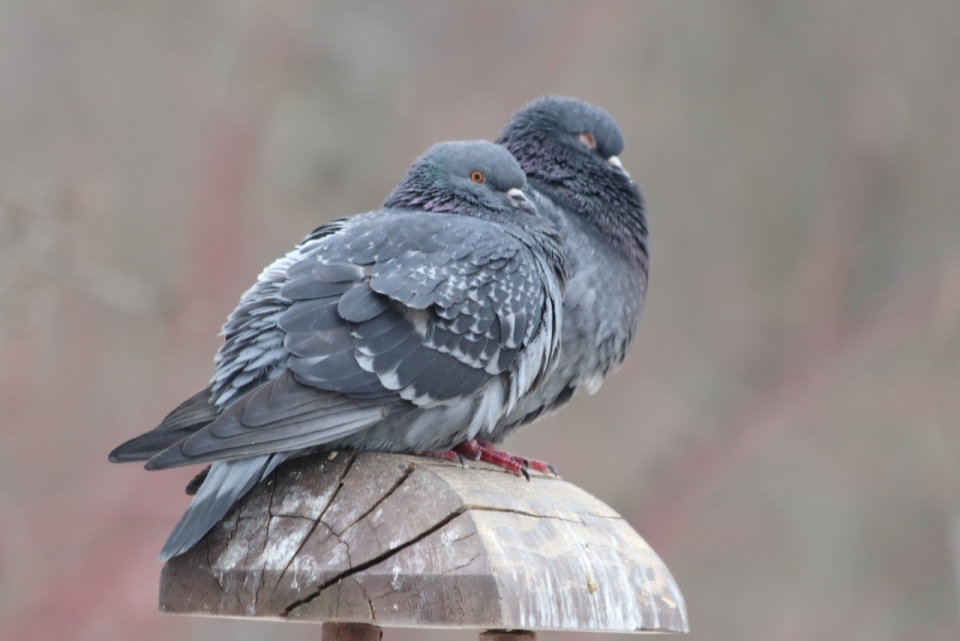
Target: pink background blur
(785, 432)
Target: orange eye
(587, 139)
(476, 176)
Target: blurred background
(786, 431)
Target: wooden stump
(395, 540)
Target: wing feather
(388, 312)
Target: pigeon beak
(519, 200)
(614, 162)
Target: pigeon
(570, 150)
(414, 328)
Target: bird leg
(487, 452)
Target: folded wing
(376, 315)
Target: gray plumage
(408, 329)
(569, 151)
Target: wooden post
(396, 540)
(350, 632)
(508, 635)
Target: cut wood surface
(396, 540)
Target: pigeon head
(570, 151)
(473, 177)
(577, 125)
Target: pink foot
(487, 452)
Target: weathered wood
(396, 540)
(508, 635)
(350, 632)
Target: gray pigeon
(414, 328)
(569, 150)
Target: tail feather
(146, 446)
(199, 408)
(279, 416)
(225, 484)
(186, 420)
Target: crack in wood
(294, 516)
(482, 467)
(464, 565)
(370, 563)
(463, 538)
(396, 486)
(343, 543)
(339, 595)
(270, 517)
(391, 552)
(206, 544)
(336, 491)
(273, 490)
(236, 527)
(555, 517)
(459, 599)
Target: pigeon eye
(587, 139)
(476, 176)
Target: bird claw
(489, 453)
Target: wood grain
(395, 540)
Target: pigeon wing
(389, 312)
